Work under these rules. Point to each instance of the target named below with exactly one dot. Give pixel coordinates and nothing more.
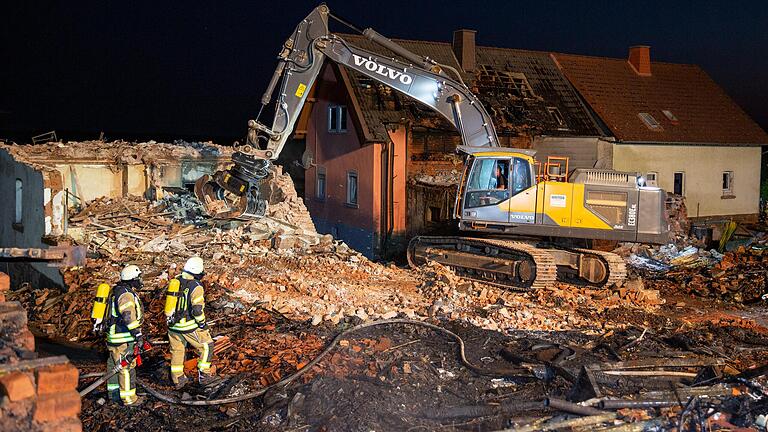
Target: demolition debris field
(682, 342)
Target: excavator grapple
(234, 193)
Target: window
(727, 183)
(352, 188)
(320, 184)
(671, 117)
(489, 182)
(434, 214)
(651, 178)
(337, 118)
(19, 214)
(678, 187)
(557, 116)
(649, 121)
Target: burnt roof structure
(524, 91)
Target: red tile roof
(704, 112)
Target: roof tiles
(701, 112)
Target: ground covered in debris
(681, 344)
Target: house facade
(675, 125)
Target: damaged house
(383, 168)
(46, 182)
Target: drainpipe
(392, 187)
(384, 222)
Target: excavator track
(507, 264)
(617, 267)
(515, 265)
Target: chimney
(640, 59)
(464, 48)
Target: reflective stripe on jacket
(126, 315)
(190, 307)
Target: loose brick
(54, 407)
(56, 379)
(17, 386)
(5, 282)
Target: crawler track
(617, 268)
(508, 264)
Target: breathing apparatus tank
(100, 304)
(171, 299)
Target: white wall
(703, 167)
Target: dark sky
(196, 69)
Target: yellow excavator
(524, 218)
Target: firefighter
(125, 316)
(185, 312)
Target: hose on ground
(289, 379)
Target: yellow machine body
(586, 203)
(100, 304)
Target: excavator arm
(234, 193)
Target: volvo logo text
(382, 70)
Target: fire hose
(289, 379)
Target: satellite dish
(307, 159)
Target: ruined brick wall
(37, 395)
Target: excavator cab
(498, 187)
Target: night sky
(197, 69)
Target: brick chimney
(640, 59)
(464, 48)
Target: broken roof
(524, 92)
(677, 103)
(118, 152)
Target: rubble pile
(740, 276)
(679, 224)
(557, 308)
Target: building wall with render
(336, 155)
(703, 167)
(38, 198)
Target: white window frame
(729, 190)
(683, 182)
(655, 176)
(320, 193)
(353, 201)
(340, 123)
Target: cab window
(521, 176)
(489, 182)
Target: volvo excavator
(524, 218)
